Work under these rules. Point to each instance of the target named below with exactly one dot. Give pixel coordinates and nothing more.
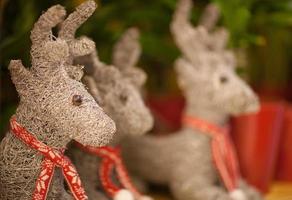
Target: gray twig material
(46, 109)
(213, 92)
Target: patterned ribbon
(52, 158)
(111, 160)
(223, 152)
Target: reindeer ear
(229, 58)
(137, 76)
(90, 62)
(81, 46)
(75, 71)
(219, 39)
(127, 50)
(21, 77)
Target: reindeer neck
(206, 113)
(41, 128)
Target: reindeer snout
(111, 127)
(251, 102)
(106, 131)
(148, 122)
(254, 105)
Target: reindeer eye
(123, 98)
(223, 79)
(77, 100)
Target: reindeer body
(181, 161)
(48, 110)
(205, 73)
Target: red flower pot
(256, 138)
(167, 110)
(284, 168)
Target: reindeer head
(206, 69)
(63, 105)
(117, 87)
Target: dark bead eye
(223, 79)
(123, 98)
(77, 100)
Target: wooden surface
(279, 191)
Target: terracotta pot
(256, 138)
(284, 167)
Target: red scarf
(111, 160)
(52, 158)
(223, 152)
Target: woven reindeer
(53, 110)
(117, 89)
(198, 162)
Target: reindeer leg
(194, 190)
(196, 186)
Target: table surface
(279, 191)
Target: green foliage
(236, 17)
(263, 28)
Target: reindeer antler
(76, 19)
(81, 46)
(210, 16)
(127, 50)
(42, 30)
(187, 38)
(126, 54)
(191, 40)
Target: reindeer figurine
(117, 89)
(54, 109)
(198, 162)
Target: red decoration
(223, 153)
(52, 158)
(284, 165)
(111, 159)
(257, 138)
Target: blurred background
(261, 36)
